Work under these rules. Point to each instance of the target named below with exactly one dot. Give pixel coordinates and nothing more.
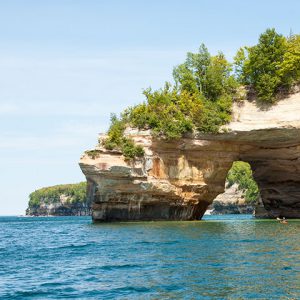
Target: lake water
(223, 257)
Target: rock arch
(177, 180)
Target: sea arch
(179, 179)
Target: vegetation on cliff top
(205, 87)
(241, 174)
(117, 140)
(76, 193)
(271, 66)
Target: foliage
(200, 100)
(76, 193)
(290, 67)
(93, 153)
(241, 174)
(205, 74)
(166, 112)
(117, 140)
(273, 64)
(205, 87)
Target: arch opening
(241, 193)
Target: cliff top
(249, 115)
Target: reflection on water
(223, 257)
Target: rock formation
(59, 200)
(179, 179)
(59, 209)
(232, 201)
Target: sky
(65, 65)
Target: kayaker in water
(282, 221)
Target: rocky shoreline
(59, 209)
(232, 201)
(59, 200)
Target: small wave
(139, 289)
(51, 284)
(113, 267)
(74, 246)
(171, 287)
(157, 243)
(23, 294)
(247, 241)
(125, 266)
(125, 292)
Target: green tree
(218, 80)
(186, 79)
(290, 67)
(241, 174)
(262, 67)
(199, 63)
(205, 74)
(240, 65)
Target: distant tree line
(75, 193)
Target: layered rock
(232, 201)
(60, 200)
(59, 209)
(178, 179)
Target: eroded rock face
(172, 182)
(63, 207)
(177, 180)
(232, 201)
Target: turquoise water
(225, 257)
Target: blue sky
(65, 65)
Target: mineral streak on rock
(178, 179)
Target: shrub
(92, 153)
(117, 140)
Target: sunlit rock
(179, 179)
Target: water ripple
(231, 258)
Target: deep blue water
(225, 257)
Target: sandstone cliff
(60, 200)
(179, 179)
(59, 209)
